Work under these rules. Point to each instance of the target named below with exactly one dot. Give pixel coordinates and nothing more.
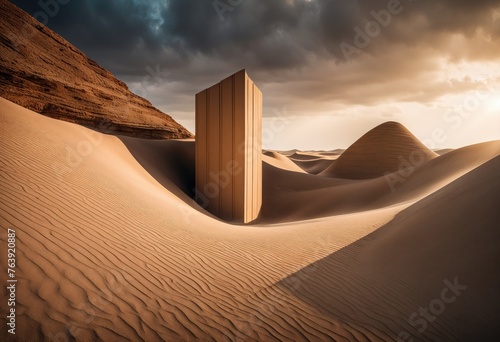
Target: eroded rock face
(41, 71)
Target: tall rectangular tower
(229, 149)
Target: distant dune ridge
(41, 71)
(382, 150)
(280, 161)
(111, 247)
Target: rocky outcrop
(41, 71)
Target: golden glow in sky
(448, 105)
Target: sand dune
(379, 151)
(406, 265)
(111, 247)
(314, 166)
(278, 160)
(443, 151)
(314, 162)
(303, 196)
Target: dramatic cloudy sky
(329, 69)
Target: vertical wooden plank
(227, 143)
(240, 145)
(255, 152)
(213, 125)
(201, 147)
(258, 136)
(251, 154)
(247, 146)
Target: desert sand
(110, 246)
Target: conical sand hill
(385, 149)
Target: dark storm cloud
(287, 45)
(126, 35)
(114, 33)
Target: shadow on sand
(383, 279)
(169, 162)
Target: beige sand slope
(280, 161)
(406, 266)
(292, 196)
(379, 151)
(314, 162)
(111, 247)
